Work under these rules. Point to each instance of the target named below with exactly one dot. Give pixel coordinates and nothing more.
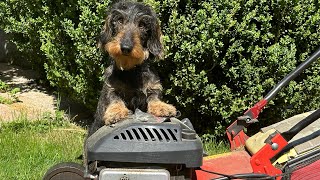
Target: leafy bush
(221, 56)
(59, 38)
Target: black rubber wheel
(65, 171)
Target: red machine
(144, 147)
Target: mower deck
(225, 163)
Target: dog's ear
(105, 35)
(154, 43)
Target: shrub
(221, 56)
(59, 38)
(226, 55)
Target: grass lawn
(215, 147)
(29, 149)
(211, 146)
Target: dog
(131, 36)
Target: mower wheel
(65, 171)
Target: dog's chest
(130, 85)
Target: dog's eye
(143, 25)
(117, 20)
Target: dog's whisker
(146, 54)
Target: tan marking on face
(126, 62)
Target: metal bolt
(274, 146)
(258, 163)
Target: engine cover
(143, 138)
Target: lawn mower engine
(140, 147)
(144, 147)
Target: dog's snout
(126, 48)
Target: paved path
(34, 100)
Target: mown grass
(29, 148)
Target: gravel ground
(35, 100)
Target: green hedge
(221, 56)
(60, 39)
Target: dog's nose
(126, 48)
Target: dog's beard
(128, 61)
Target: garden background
(221, 56)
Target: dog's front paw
(115, 112)
(161, 109)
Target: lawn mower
(145, 147)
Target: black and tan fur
(132, 38)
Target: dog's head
(131, 34)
